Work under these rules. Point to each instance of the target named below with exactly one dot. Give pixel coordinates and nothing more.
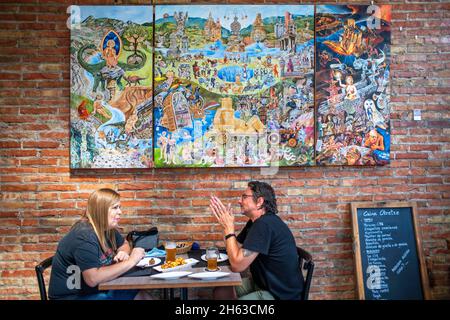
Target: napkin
(155, 252)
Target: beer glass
(212, 254)
(171, 251)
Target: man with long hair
(266, 245)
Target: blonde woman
(93, 252)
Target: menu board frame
(357, 243)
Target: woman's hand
(223, 214)
(136, 255)
(121, 256)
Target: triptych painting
(230, 86)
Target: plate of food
(148, 262)
(170, 275)
(178, 265)
(209, 275)
(222, 257)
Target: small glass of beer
(171, 251)
(212, 254)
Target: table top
(146, 282)
(196, 254)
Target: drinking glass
(171, 251)
(212, 254)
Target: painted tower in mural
(213, 30)
(258, 33)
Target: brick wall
(41, 197)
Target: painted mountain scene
(352, 84)
(234, 85)
(111, 88)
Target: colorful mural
(111, 88)
(234, 85)
(352, 84)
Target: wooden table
(143, 283)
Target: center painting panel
(234, 86)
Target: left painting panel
(111, 107)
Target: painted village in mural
(234, 86)
(111, 88)
(352, 85)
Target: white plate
(222, 257)
(209, 275)
(189, 263)
(171, 275)
(144, 262)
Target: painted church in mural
(352, 84)
(234, 86)
(111, 88)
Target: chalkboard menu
(388, 252)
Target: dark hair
(264, 190)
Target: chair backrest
(306, 263)
(40, 268)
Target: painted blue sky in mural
(124, 13)
(226, 13)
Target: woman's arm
(123, 252)
(93, 277)
(125, 248)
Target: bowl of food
(184, 247)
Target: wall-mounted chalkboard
(388, 252)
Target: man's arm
(240, 258)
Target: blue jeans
(110, 295)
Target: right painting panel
(352, 84)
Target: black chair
(306, 263)
(40, 268)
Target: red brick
(427, 180)
(18, 188)
(18, 17)
(57, 187)
(54, 153)
(40, 144)
(18, 273)
(38, 162)
(9, 144)
(19, 153)
(134, 203)
(136, 186)
(55, 205)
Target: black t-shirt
(78, 251)
(276, 268)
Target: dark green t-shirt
(78, 251)
(276, 268)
